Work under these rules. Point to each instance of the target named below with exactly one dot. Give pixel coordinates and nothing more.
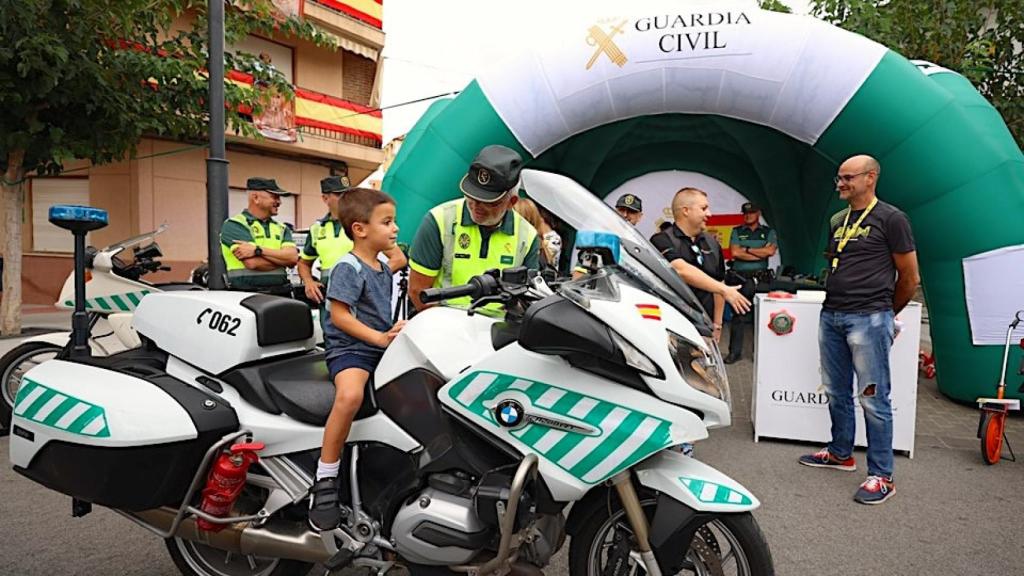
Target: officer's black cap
(334, 185)
(630, 202)
(750, 208)
(494, 171)
(267, 185)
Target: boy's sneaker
(824, 459)
(875, 490)
(324, 507)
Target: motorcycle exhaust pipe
(287, 541)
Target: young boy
(359, 293)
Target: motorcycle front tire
(585, 557)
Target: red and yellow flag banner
(317, 110)
(369, 11)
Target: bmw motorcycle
(482, 444)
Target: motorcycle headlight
(635, 358)
(703, 371)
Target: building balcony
(358, 20)
(318, 124)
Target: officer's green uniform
(758, 238)
(328, 242)
(453, 248)
(267, 233)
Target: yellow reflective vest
(461, 242)
(330, 243)
(273, 237)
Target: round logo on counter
(509, 413)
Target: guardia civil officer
(752, 244)
(258, 250)
(477, 232)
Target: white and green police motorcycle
(483, 442)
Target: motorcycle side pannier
(113, 437)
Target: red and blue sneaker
(875, 490)
(824, 459)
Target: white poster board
(994, 289)
(788, 399)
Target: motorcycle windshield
(582, 210)
(135, 240)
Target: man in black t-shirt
(872, 276)
(697, 256)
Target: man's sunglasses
(849, 177)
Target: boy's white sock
(324, 470)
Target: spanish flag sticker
(649, 311)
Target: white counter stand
(788, 398)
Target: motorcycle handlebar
(478, 287)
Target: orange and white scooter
(992, 422)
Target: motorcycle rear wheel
(195, 559)
(731, 544)
(13, 366)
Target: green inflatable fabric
(948, 161)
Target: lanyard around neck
(849, 232)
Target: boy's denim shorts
(345, 361)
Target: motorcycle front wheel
(729, 545)
(13, 367)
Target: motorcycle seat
(298, 386)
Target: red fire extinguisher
(225, 482)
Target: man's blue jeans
(858, 343)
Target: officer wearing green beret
(258, 250)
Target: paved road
(951, 515)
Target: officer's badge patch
(483, 177)
(463, 240)
(257, 230)
(507, 260)
(628, 200)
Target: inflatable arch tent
(769, 104)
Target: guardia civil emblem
(483, 177)
(463, 240)
(628, 200)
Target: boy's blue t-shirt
(368, 295)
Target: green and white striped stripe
(624, 436)
(126, 302)
(711, 493)
(51, 408)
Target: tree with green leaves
(86, 79)
(774, 6)
(981, 39)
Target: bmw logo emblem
(509, 413)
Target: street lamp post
(216, 161)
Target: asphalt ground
(951, 514)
